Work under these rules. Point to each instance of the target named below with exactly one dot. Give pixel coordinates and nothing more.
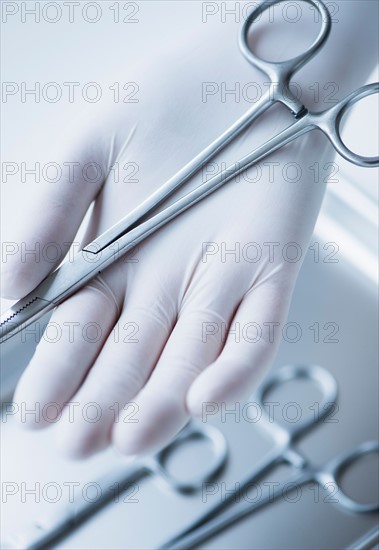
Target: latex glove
(175, 304)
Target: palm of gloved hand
(165, 310)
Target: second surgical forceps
(224, 514)
(136, 226)
(45, 530)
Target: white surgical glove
(189, 317)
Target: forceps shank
(50, 527)
(116, 241)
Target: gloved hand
(188, 317)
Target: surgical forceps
(137, 225)
(47, 529)
(224, 514)
(368, 541)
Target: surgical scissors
(50, 527)
(142, 221)
(224, 513)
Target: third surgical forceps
(224, 514)
(137, 225)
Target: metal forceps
(224, 514)
(143, 221)
(47, 529)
